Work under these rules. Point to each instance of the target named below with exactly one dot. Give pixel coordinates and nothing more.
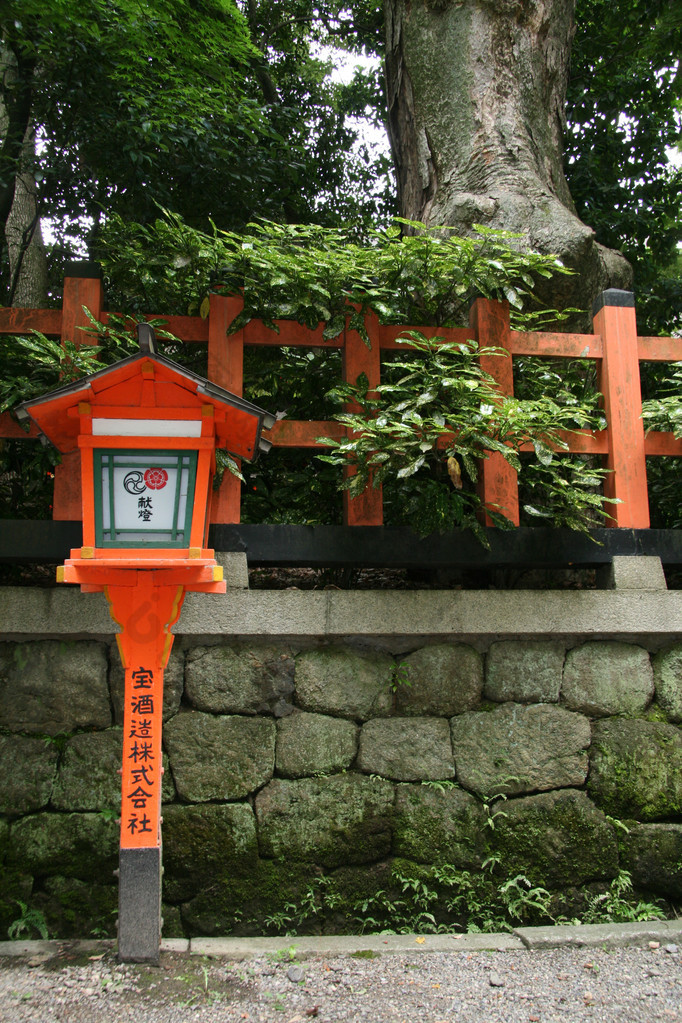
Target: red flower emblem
(156, 479)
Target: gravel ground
(633, 985)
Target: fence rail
(614, 345)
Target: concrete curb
(522, 939)
(598, 935)
(343, 944)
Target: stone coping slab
(523, 938)
(391, 615)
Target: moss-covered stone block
(53, 687)
(345, 818)
(173, 683)
(88, 777)
(603, 678)
(76, 909)
(171, 921)
(314, 744)
(202, 845)
(653, 855)
(240, 679)
(667, 665)
(29, 769)
(446, 825)
(517, 748)
(267, 901)
(554, 838)
(82, 845)
(219, 758)
(341, 682)
(440, 680)
(355, 896)
(524, 671)
(636, 769)
(407, 749)
(4, 839)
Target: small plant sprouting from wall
(29, 922)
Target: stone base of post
(139, 905)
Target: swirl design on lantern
(134, 482)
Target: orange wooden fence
(614, 345)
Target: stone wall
(335, 782)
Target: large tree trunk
(19, 215)
(476, 93)
(23, 233)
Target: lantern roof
(143, 386)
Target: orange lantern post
(147, 430)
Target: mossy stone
(52, 687)
(554, 838)
(636, 769)
(314, 744)
(653, 855)
(251, 905)
(82, 845)
(88, 777)
(517, 748)
(602, 678)
(446, 826)
(341, 682)
(439, 680)
(239, 679)
(524, 671)
(667, 665)
(345, 818)
(219, 758)
(4, 839)
(202, 845)
(407, 749)
(76, 909)
(89, 773)
(15, 887)
(352, 893)
(29, 769)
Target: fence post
(226, 368)
(497, 484)
(82, 287)
(614, 318)
(367, 509)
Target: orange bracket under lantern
(147, 430)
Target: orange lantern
(147, 430)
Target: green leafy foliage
(437, 413)
(217, 109)
(319, 275)
(120, 123)
(37, 364)
(29, 922)
(617, 904)
(445, 899)
(665, 411)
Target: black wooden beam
(40, 542)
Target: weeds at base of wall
(477, 901)
(443, 900)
